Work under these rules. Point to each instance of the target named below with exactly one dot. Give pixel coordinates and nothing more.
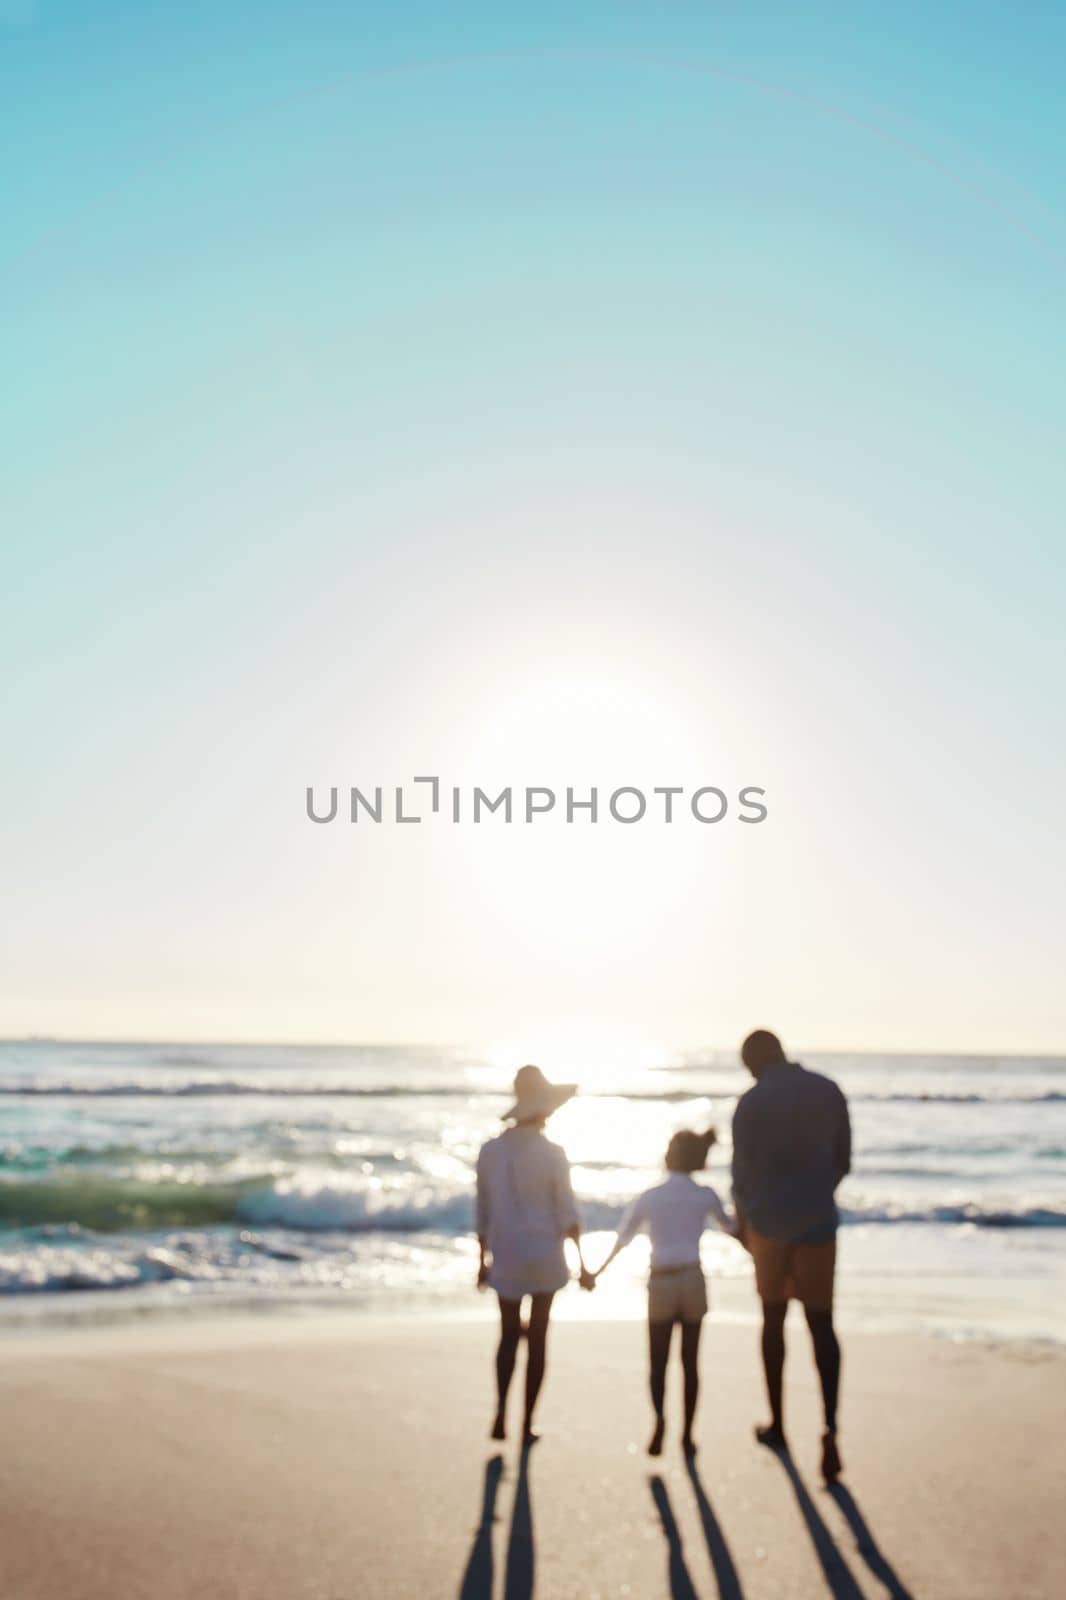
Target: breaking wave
(334, 1204)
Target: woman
(525, 1209)
(675, 1214)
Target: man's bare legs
(773, 1360)
(827, 1360)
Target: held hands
(587, 1279)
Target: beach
(342, 1456)
(241, 1356)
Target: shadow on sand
(520, 1565)
(866, 1544)
(680, 1579)
(842, 1585)
(681, 1585)
(721, 1560)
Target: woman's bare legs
(536, 1356)
(506, 1351)
(690, 1363)
(659, 1334)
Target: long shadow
(520, 1566)
(842, 1585)
(477, 1579)
(878, 1563)
(521, 1563)
(725, 1572)
(681, 1587)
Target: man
(791, 1147)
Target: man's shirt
(791, 1147)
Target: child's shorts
(677, 1294)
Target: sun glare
(591, 1057)
(584, 719)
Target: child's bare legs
(659, 1335)
(690, 1358)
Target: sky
(604, 395)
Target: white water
(181, 1174)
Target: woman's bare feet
(655, 1448)
(688, 1445)
(498, 1430)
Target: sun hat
(535, 1096)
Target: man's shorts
(789, 1270)
(677, 1294)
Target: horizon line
(452, 1045)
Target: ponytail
(687, 1151)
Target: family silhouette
(791, 1146)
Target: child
(675, 1214)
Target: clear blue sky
(617, 394)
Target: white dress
(525, 1206)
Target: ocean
(155, 1177)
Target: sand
(346, 1457)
